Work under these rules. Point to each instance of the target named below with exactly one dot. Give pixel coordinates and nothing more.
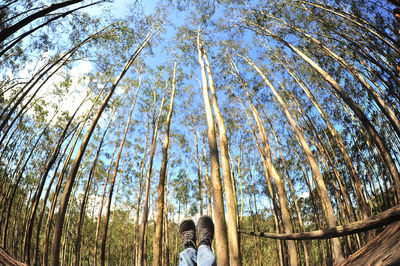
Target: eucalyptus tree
(155, 128)
(161, 187)
(55, 252)
(222, 252)
(104, 237)
(272, 172)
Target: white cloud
(304, 195)
(77, 92)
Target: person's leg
(188, 257)
(205, 256)
(205, 228)
(187, 231)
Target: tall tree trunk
(106, 219)
(222, 252)
(41, 182)
(166, 257)
(103, 195)
(157, 251)
(9, 194)
(199, 174)
(364, 210)
(74, 168)
(5, 33)
(77, 250)
(139, 198)
(55, 196)
(145, 214)
(296, 204)
(327, 204)
(269, 186)
(231, 205)
(272, 172)
(46, 196)
(380, 144)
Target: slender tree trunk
(5, 33)
(269, 186)
(106, 219)
(301, 224)
(376, 138)
(145, 214)
(18, 174)
(139, 198)
(46, 196)
(166, 256)
(231, 205)
(222, 252)
(365, 211)
(157, 251)
(76, 259)
(327, 205)
(207, 180)
(55, 197)
(74, 168)
(272, 172)
(41, 182)
(103, 195)
(199, 174)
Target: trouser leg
(188, 257)
(205, 256)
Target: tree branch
(375, 221)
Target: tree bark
(5, 33)
(145, 214)
(222, 252)
(74, 168)
(106, 219)
(384, 218)
(327, 204)
(231, 206)
(77, 251)
(272, 172)
(157, 250)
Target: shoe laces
(187, 238)
(205, 235)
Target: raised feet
(187, 231)
(205, 228)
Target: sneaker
(187, 231)
(205, 227)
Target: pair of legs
(203, 256)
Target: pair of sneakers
(205, 229)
